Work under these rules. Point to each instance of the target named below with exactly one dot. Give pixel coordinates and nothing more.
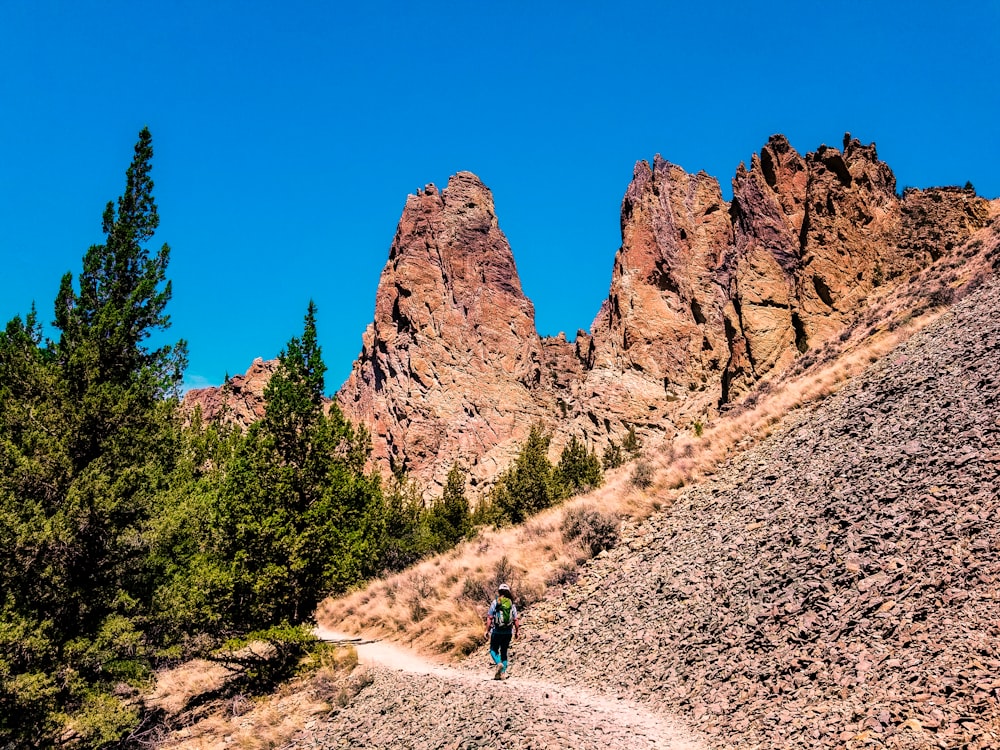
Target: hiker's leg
(504, 643)
(495, 648)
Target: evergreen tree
(298, 515)
(33, 478)
(631, 444)
(406, 535)
(579, 470)
(527, 486)
(86, 439)
(612, 457)
(449, 517)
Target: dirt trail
(478, 712)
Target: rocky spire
(447, 365)
(662, 320)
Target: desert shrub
(942, 296)
(878, 276)
(482, 589)
(420, 587)
(642, 475)
(355, 684)
(631, 444)
(593, 530)
(564, 574)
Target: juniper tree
(86, 438)
(527, 486)
(449, 517)
(578, 470)
(299, 516)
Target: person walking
(502, 623)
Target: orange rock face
(813, 236)
(706, 298)
(450, 363)
(240, 401)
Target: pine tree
(579, 470)
(298, 515)
(631, 444)
(406, 535)
(123, 294)
(612, 458)
(450, 518)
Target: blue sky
(287, 136)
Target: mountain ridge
(707, 298)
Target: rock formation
(660, 334)
(706, 298)
(449, 365)
(240, 401)
(813, 237)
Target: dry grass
(252, 725)
(175, 688)
(241, 721)
(439, 605)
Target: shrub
(592, 529)
(566, 573)
(631, 444)
(878, 276)
(355, 684)
(482, 590)
(642, 475)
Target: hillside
(835, 586)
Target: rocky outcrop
(707, 297)
(813, 237)
(660, 335)
(768, 214)
(449, 365)
(239, 401)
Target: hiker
(501, 624)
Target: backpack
(503, 617)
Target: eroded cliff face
(449, 365)
(813, 236)
(662, 323)
(707, 297)
(240, 401)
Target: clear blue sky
(287, 135)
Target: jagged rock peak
(674, 227)
(452, 351)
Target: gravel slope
(836, 586)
